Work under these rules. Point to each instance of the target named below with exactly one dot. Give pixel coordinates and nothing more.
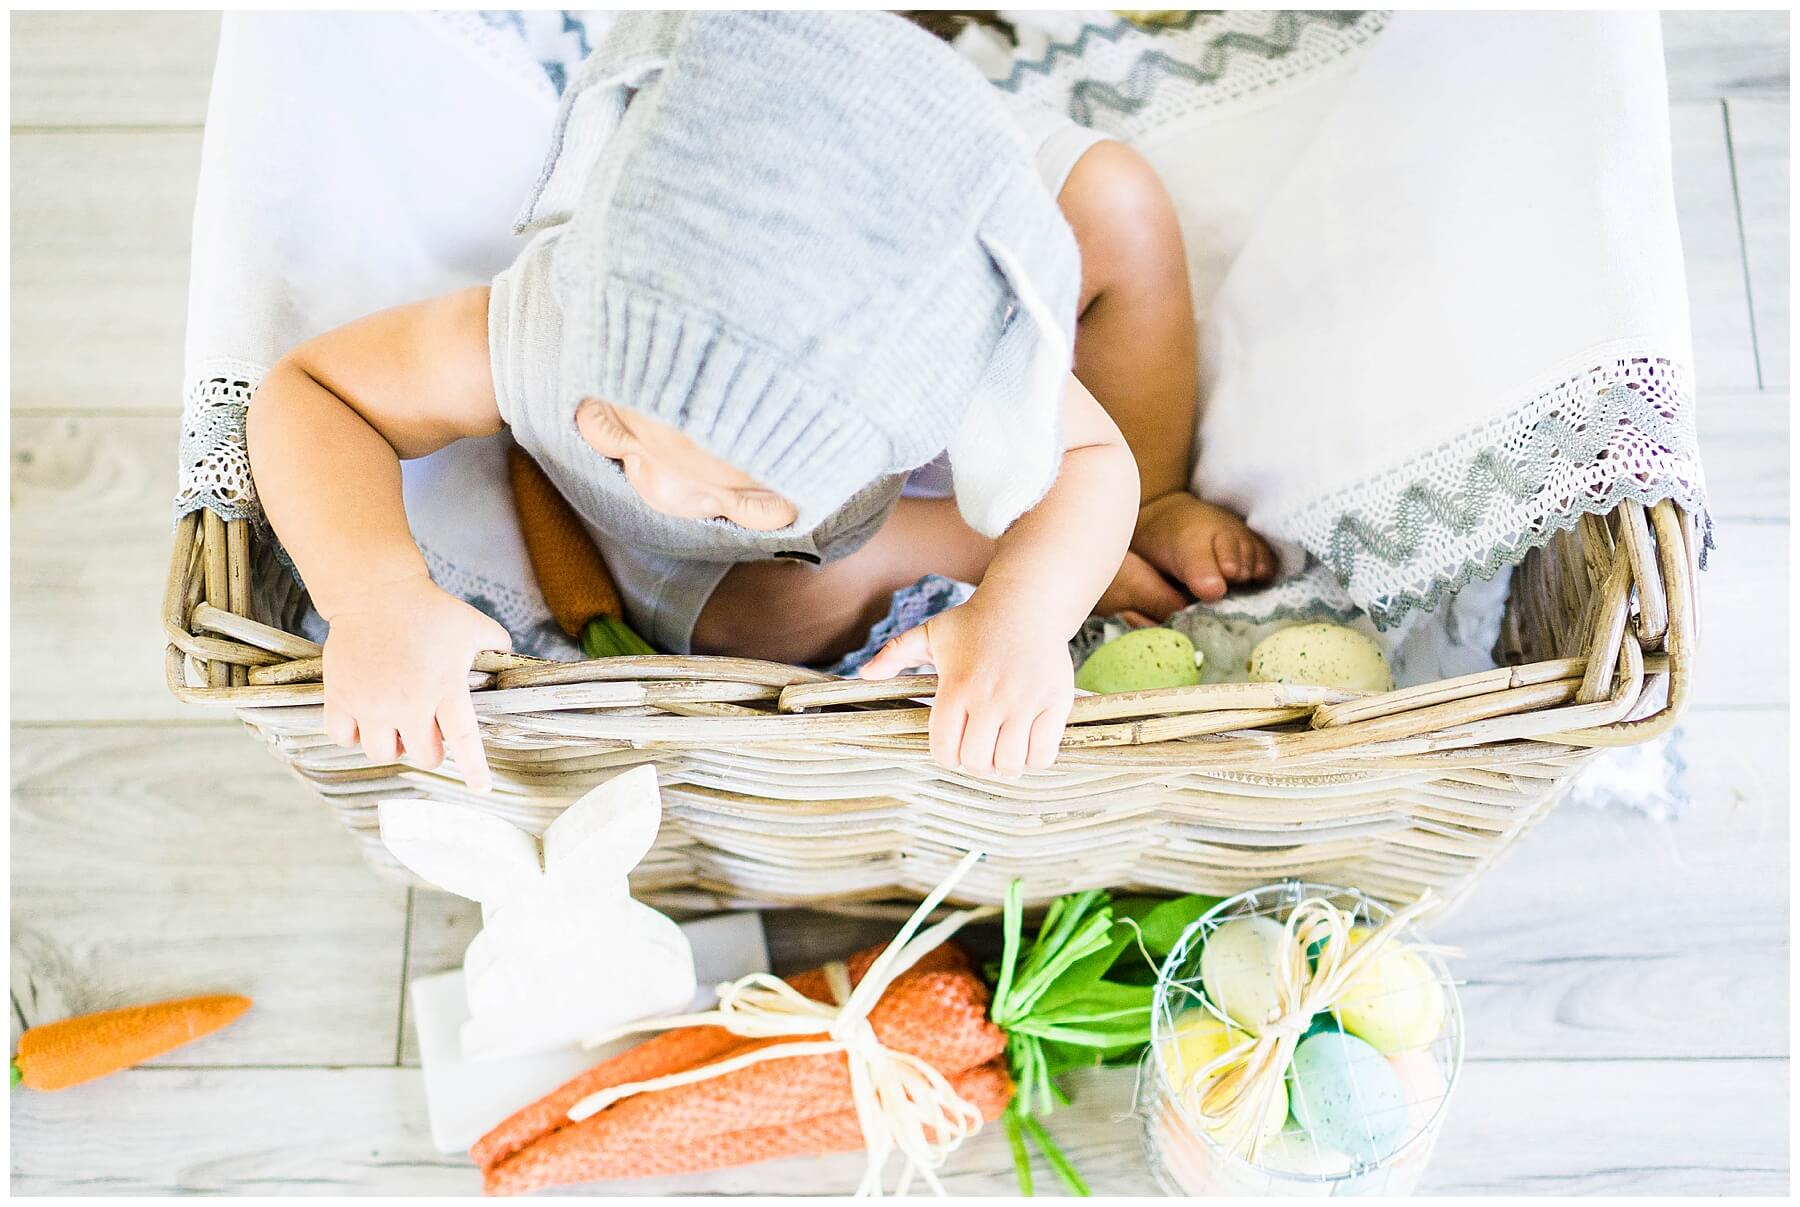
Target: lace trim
(1620, 428)
(1126, 79)
(536, 49)
(215, 464)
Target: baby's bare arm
(327, 430)
(331, 422)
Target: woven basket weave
(785, 786)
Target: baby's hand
(1005, 686)
(397, 676)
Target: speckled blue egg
(1347, 1096)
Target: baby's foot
(1200, 545)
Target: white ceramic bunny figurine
(564, 952)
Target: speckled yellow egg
(1141, 660)
(1238, 967)
(1199, 1040)
(1395, 1003)
(1325, 655)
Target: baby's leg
(788, 611)
(1135, 350)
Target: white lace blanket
(1436, 258)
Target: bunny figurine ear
(464, 851)
(602, 836)
(1007, 450)
(592, 106)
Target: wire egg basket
(1399, 1109)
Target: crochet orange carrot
(558, 1162)
(936, 1011)
(569, 569)
(673, 1052)
(61, 1054)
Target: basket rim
(1640, 634)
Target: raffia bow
(1241, 1082)
(902, 1103)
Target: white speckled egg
(1347, 1096)
(1395, 1003)
(1238, 965)
(1296, 1152)
(1325, 655)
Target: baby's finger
(911, 648)
(380, 743)
(946, 730)
(424, 746)
(462, 740)
(976, 753)
(493, 636)
(1046, 738)
(340, 725)
(1012, 747)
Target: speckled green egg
(1324, 655)
(1347, 1096)
(1140, 660)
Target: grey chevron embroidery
(1139, 85)
(1495, 474)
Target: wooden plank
(112, 68)
(1615, 1127)
(1759, 145)
(91, 514)
(234, 1131)
(1713, 54)
(100, 236)
(1744, 638)
(1527, 1127)
(156, 861)
(1744, 446)
(1724, 351)
(1605, 933)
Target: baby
(786, 269)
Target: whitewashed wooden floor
(1627, 988)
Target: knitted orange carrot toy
(935, 1011)
(569, 569)
(61, 1054)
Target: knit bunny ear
(592, 106)
(1007, 450)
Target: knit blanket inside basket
(1434, 256)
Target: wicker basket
(785, 786)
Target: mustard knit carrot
(58, 1055)
(569, 569)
